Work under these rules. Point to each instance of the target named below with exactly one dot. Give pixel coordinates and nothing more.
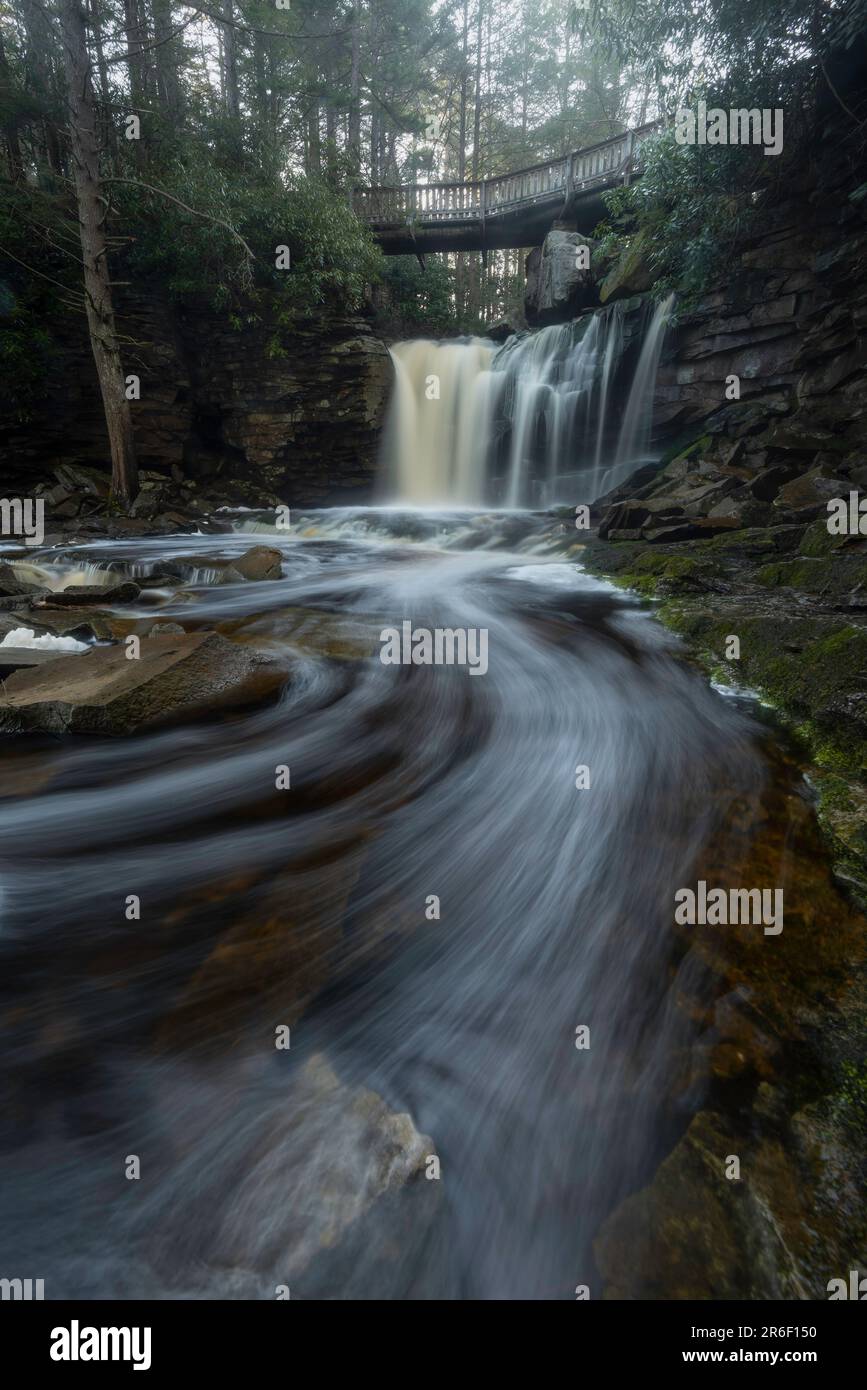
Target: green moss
(651, 569)
(850, 1102)
(818, 541)
(693, 450)
(808, 574)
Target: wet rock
(12, 584)
(625, 516)
(693, 529)
(83, 624)
(741, 507)
(807, 496)
(308, 1167)
(365, 1151)
(26, 658)
(500, 331)
(257, 563)
(102, 691)
(85, 595)
(694, 1234)
(281, 949)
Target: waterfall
(561, 415)
(438, 421)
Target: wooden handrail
(478, 199)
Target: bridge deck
(515, 209)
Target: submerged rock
(103, 691)
(308, 1163)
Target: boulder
(807, 497)
(103, 691)
(351, 1148)
(260, 562)
(75, 478)
(308, 1161)
(741, 507)
(629, 515)
(500, 331)
(766, 484)
(556, 287)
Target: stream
(309, 907)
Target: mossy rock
(631, 275)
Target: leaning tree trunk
(84, 149)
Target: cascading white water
(439, 419)
(561, 415)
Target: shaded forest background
(189, 142)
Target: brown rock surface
(103, 691)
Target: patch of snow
(24, 637)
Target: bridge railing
(484, 198)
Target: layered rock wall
(245, 408)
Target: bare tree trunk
(331, 136)
(166, 57)
(84, 148)
(135, 61)
(96, 29)
(477, 115)
(374, 147)
(462, 136)
(314, 154)
(38, 34)
(230, 58)
(10, 130)
(355, 92)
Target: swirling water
(307, 907)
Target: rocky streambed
(726, 551)
(312, 938)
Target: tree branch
(218, 221)
(149, 47)
(265, 33)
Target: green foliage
(332, 257)
(34, 300)
(27, 353)
(420, 299)
(691, 203)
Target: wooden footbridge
(516, 209)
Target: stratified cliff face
(775, 355)
(732, 533)
(245, 412)
(789, 321)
